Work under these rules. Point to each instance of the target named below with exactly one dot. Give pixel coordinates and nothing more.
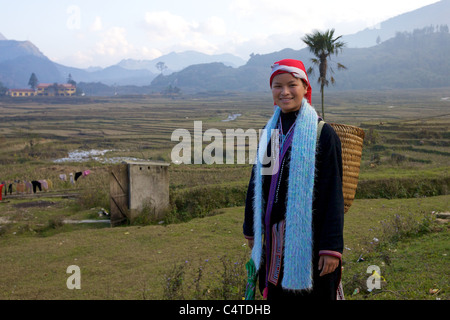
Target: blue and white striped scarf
(298, 237)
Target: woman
(294, 215)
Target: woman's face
(288, 92)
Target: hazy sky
(83, 33)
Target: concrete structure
(138, 188)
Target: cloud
(291, 14)
(148, 53)
(213, 26)
(196, 43)
(163, 24)
(163, 27)
(97, 25)
(237, 26)
(110, 46)
(82, 58)
(170, 32)
(114, 43)
(305, 16)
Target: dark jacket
(328, 202)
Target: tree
(443, 28)
(3, 90)
(55, 89)
(71, 81)
(323, 46)
(161, 66)
(171, 91)
(33, 82)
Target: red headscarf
(295, 68)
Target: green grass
(115, 263)
(411, 269)
(134, 262)
(403, 238)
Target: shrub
(402, 188)
(202, 201)
(188, 280)
(95, 191)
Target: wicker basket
(352, 143)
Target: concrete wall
(139, 187)
(148, 188)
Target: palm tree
(323, 45)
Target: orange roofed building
(52, 89)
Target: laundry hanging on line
(36, 185)
(77, 175)
(24, 186)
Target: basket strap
(319, 129)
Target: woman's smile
(288, 92)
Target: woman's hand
(328, 264)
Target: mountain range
(368, 62)
(409, 60)
(435, 14)
(18, 59)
